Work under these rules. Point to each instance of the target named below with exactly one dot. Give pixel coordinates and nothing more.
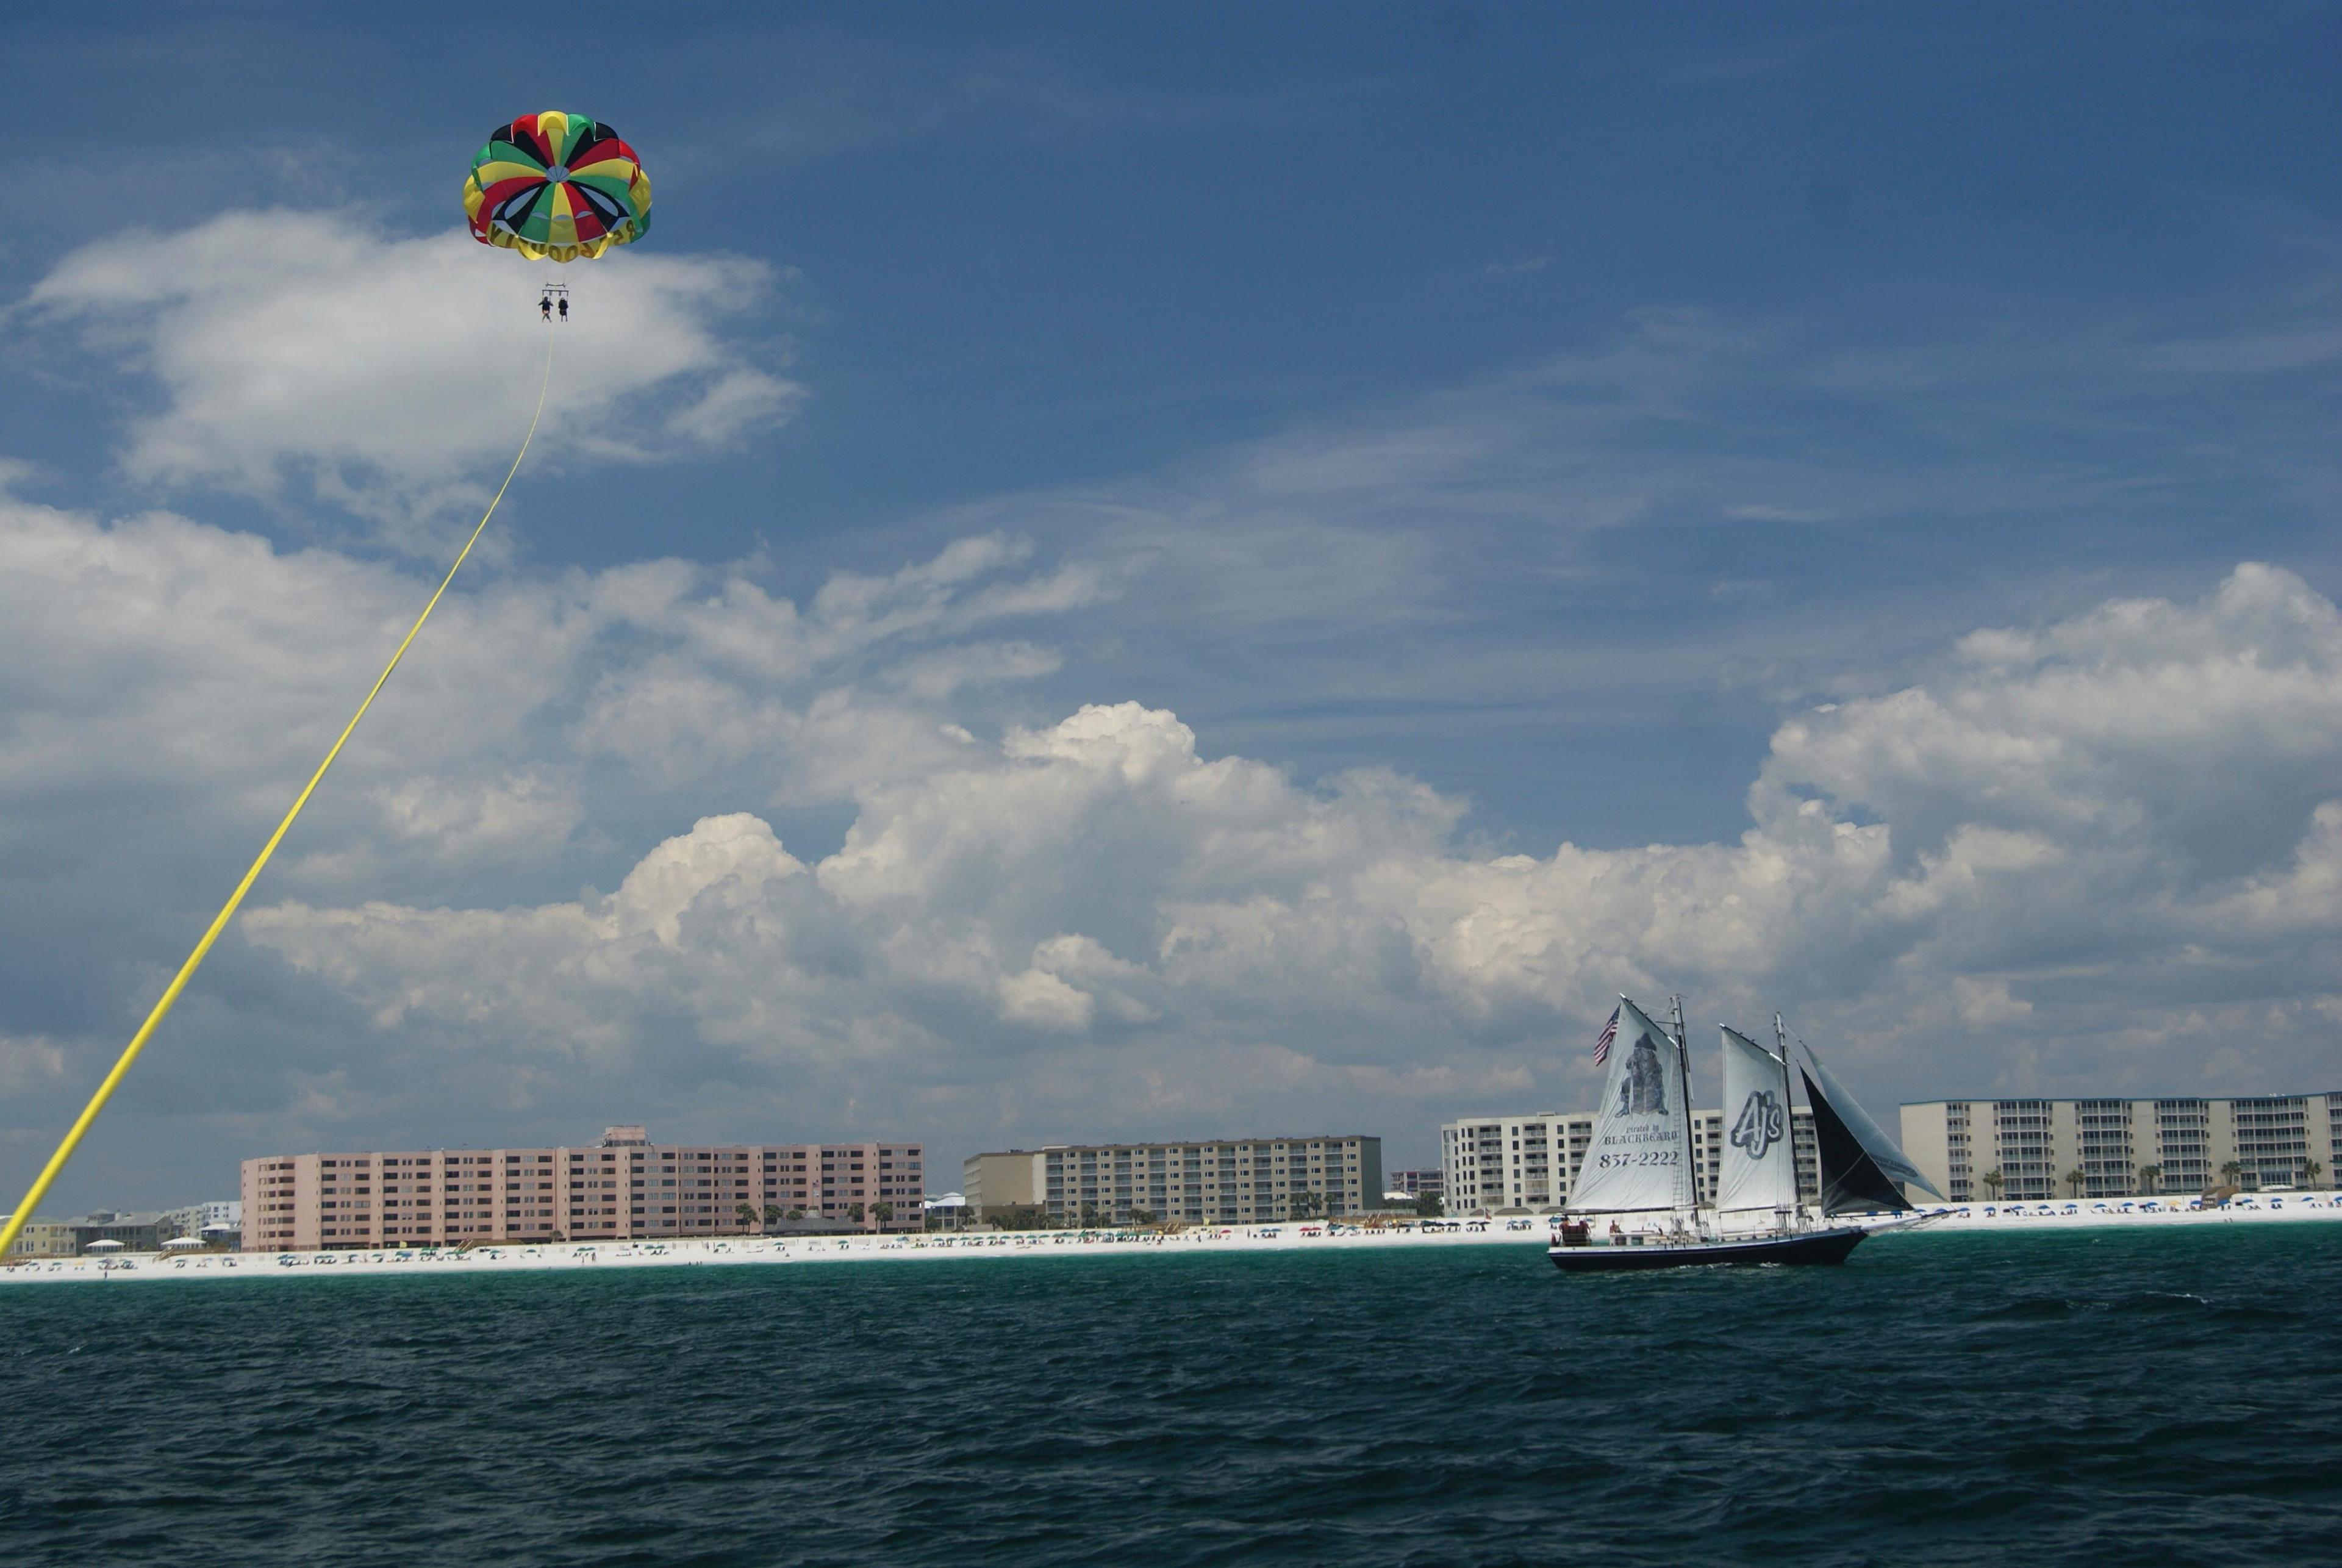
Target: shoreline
(761, 1250)
(2287, 1208)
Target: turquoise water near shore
(2111, 1397)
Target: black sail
(1851, 1179)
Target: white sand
(721, 1251)
(716, 1250)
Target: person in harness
(564, 307)
(544, 308)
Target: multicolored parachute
(556, 187)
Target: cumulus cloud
(2100, 851)
(170, 684)
(478, 817)
(2014, 865)
(308, 344)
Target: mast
(1691, 1132)
(1789, 1110)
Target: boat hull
(1830, 1246)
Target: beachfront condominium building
(1979, 1150)
(623, 1188)
(1493, 1162)
(44, 1239)
(1241, 1182)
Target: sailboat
(1639, 1171)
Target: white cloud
(2101, 851)
(1042, 1000)
(475, 816)
(741, 401)
(1992, 873)
(28, 1061)
(307, 343)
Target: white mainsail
(1640, 1154)
(1760, 1162)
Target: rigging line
(17, 1220)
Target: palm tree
(2073, 1180)
(748, 1213)
(854, 1213)
(2310, 1171)
(2150, 1178)
(2233, 1171)
(772, 1215)
(1993, 1179)
(882, 1212)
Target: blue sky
(1537, 409)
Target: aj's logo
(1760, 1124)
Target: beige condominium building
(2115, 1148)
(44, 1239)
(622, 1188)
(1240, 1182)
(1492, 1163)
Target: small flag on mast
(1602, 1041)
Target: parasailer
(554, 187)
(557, 187)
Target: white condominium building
(1529, 1161)
(1241, 1182)
(2113, 1148)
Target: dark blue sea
(2122, 1397)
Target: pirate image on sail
(1645, 1089)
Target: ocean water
(2117, 1397)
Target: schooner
(1639, 1169)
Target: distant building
(43, 1239)
(2121, 1147)
(1243, 1181)
(1495, 1162)
(1415, 1185)
(622, 1188)
(137, 1231)
(219, 1223)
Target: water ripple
(1951, 1400)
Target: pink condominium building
(623, 1188)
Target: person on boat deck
(1615, 1230)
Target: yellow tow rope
(88, 1116)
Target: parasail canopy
(555, 186)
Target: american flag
(1602, 1041)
